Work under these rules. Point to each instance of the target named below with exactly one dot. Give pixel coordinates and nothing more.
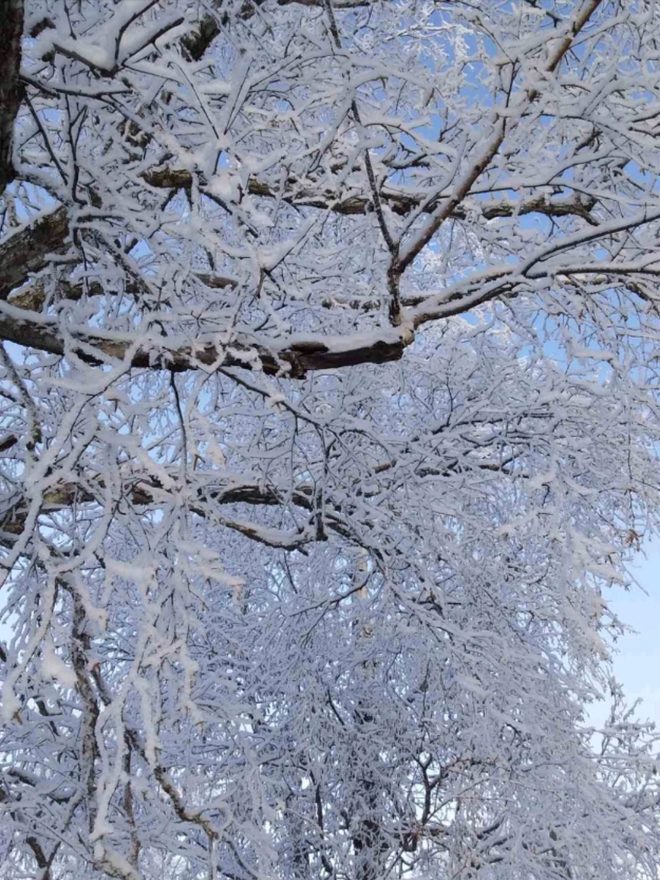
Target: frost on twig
(328, 422)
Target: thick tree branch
(398, 201)
(26, 251)
(11, 32)
(292, 356)
(139, 493)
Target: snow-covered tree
(328, 416)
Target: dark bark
(11, 31)
(291, 359)
(304, 194)
(27, 251)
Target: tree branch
(27, 250)
(398, 201)
(11, 32)
(147, 491)
(290, 356)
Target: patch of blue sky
(636, 654)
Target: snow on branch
(328, 426)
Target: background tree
(329, 412)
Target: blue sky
(637, 664)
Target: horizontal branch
(398, 201)
(34, 297)
(198, 40)
(27, 251)
(291, 357)
(203, 500)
